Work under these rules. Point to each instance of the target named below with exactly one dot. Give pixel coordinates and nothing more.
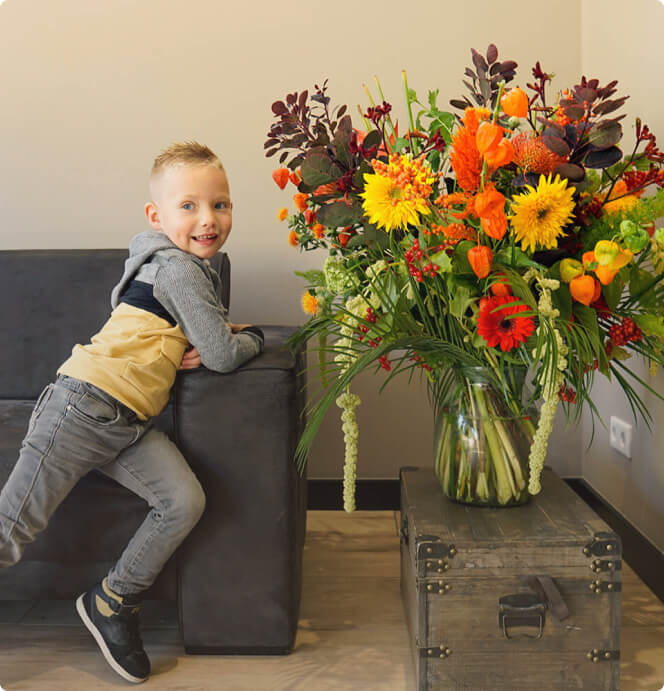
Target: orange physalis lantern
(515, 103)
(488, 136)
(584, 288)
(480, 258)
(281, 177)
(501, 155)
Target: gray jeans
(74, 428)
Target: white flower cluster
(547, 414)
(338, 280)
(348, 402)
(375, 273)
(357, 306)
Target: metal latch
(601, 565)
(600, 587)
(597, 655)
(603, 545)
(429, 547)
(442, 651)
(521, 609)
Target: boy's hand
(191, 359)
(237, 327)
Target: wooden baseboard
(383, 495)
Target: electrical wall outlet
(620, 436)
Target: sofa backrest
(52, 299)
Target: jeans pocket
(90, 408)
(42, 400)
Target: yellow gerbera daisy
(539, 215)
(397, 193)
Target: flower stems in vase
(479, 453)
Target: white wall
(93, 90)
(623, 41)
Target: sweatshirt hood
(141, 250)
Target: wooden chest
(509, 599)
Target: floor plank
(351, 635)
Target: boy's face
(192, 205)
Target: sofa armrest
(240, 570)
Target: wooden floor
(352, 633)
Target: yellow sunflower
(397, 193)
(538, 216)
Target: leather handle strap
(546, 588)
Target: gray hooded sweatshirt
(165, 301)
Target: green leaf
(513, 256)
(562, 301)
(399, 144)
(338, 214)
(315, 277)
(443, 122)
(461, 301)
(640, 281)
(375, 237)
(460, 257)
(588, 318)
(318, 168)
(364, 169)
(612, 292)
(374, 138)
(433, 96)
(650, 324)
(443, 260)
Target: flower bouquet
(510, 241)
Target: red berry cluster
(385, 363)
(423, 365)
(624, 332)
(363, 328)
(638, 179)
(567, 394)
(414, 258)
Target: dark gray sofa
(237, 577)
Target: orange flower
(280, 176)
(295, 177)
(300, 200)
(452, 232)
(328, 188)
(495, 226)
(532, 156)
(501, 288)
(466, 160)
(310, 304)
(488, 137)
(501, 155)
(480, 258)
(489, 207)
(625, 201)
(584, 288)
(282, 214)
(293, 240)
(319, 230)
(515, 103)
(473, 116)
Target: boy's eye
(187, 205)
(222, 205)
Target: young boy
(97, 414)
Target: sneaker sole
(80, 608)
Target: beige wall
(92, 91)
(623, 41)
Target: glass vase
(482, 441)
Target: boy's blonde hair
(184, 153)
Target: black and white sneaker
(113, 621)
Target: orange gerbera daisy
(466, 160)
(532, 156)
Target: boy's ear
(152, 214)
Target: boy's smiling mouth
(205, 239)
